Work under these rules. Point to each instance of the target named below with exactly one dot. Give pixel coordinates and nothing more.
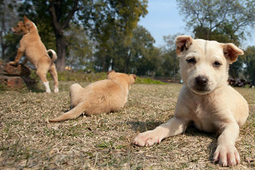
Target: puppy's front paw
(13, 63)
(226, 155)
(147, 138)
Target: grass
(28, 141)
(80, 76)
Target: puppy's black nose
(201, 81)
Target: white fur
(47, 86)
(56, 90)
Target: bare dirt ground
(27, 141)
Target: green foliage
(217, 19)
(141, 80)
(113, 18)
(114, 32)
(79, 53)
(250, 64)
(80, 76)
(140, 57)
(226, 34)
(142, 54)
(11, 42)
(2, 88)
(169, 61)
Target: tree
(61, 13)
(114, 30)
(169, 60)
(79, 53)
(250, 64)
(139, 57)
(8, 18)
(141, 51)
(224, 34)
(211, 18)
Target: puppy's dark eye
(191, 60)
(217, 64)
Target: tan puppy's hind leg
(47, 86)
(54, 74)
(42, 75)
(72, 114)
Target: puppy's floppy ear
(231, 52)
(133, 75)
(132, 78)
(182, 42)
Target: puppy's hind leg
(72, 114)
(42, 74)
(54, 74)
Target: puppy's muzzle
(201, 81)
(201, 84)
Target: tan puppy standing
(99, 97)
(35, 52)
(205, 98)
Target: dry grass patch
(104, 141)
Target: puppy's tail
(71, 114)
(54, 54)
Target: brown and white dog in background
(103, 96)
(35, 52)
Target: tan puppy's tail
(54, 54)
(71, 114)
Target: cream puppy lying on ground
(205, 98)
(100, 97)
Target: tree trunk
(253, 79)
(2, 37)
(61, 51)
(56, 13)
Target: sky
(163, 19)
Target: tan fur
(35, 52)
(205, 98)
(99, 97)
